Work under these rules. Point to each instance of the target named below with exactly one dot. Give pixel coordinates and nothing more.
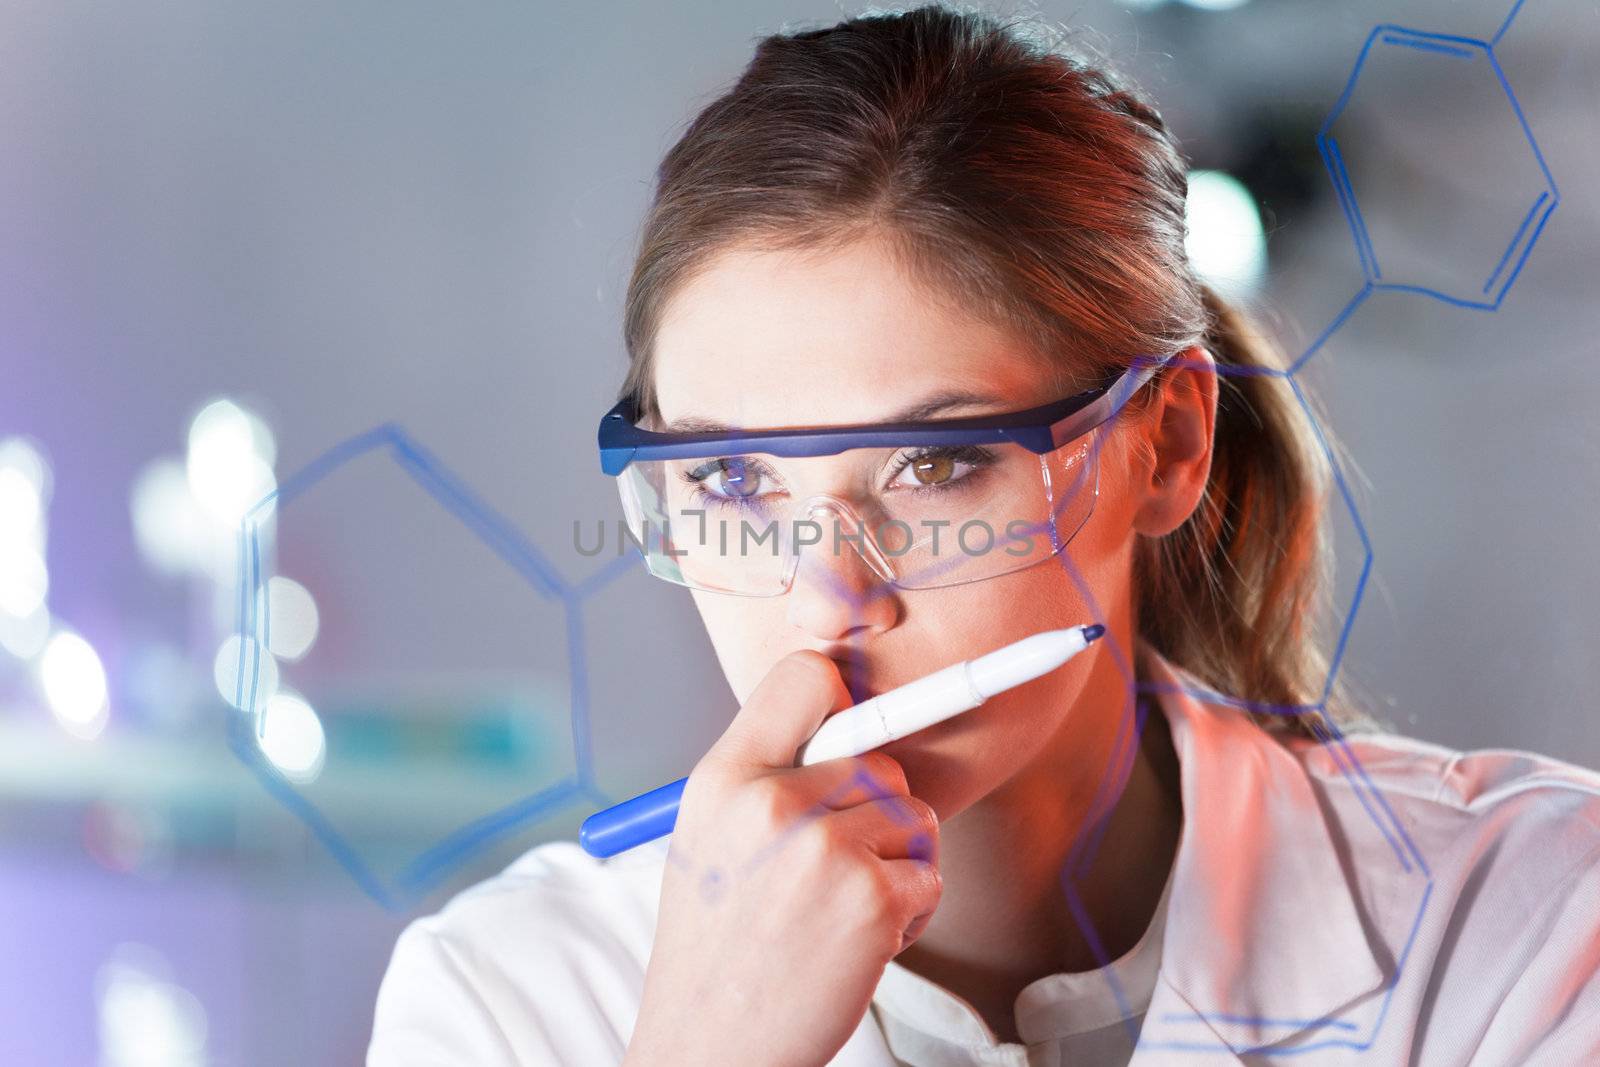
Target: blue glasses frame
(1038, 429)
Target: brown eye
(943, 468)
(933, 470)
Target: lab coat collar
(1256, 858)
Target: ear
(1177, 445)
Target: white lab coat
(1385, 901)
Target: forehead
(771, 339)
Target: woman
(932, 219)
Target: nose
(837, 591)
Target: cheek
(955, 763)
(742, 631)
(1012, 606)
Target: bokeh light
(292, 738)
(146, 1019)
(229, 466)
(1226, 243)
(74, 684)
(25, 637)
(260, 673)
(129, 838)
(23, 580)
(26, 459)
(24, 497)
(21, 508)
(291, 613)
(172, 533)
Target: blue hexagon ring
(1435, 208)
(408, 742)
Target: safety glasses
(922, 505)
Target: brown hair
(1048, 196)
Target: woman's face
(762, 339)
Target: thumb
(787, 706)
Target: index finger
(785, 709)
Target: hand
(787, 889)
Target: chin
(937, 761)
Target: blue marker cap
(633, 822)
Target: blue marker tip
(1092, 632)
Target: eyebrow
(918, 412)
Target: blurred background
(236, 237)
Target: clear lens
(920, 517)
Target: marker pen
(865, 726)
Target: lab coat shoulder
(1530, 819)
(1505, 846)
(541, 964)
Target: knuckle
(883, 905)
(819, 843)
(922, 814)
(822, 833)
(769, 803)
(891, 940)
(884, 771)
(869, 893)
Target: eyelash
(696, 479)
(973, 456)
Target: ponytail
(1253, 564)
